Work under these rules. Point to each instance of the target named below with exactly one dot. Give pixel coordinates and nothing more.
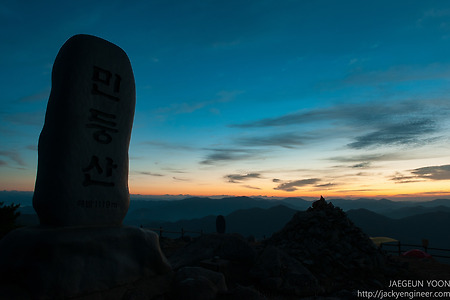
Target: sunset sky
(275, 98)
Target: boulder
(195, 283)
(225, 246)
(277, 272)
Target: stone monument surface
(46, 262)
(82, 176)
(81, 196)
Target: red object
(416, 253)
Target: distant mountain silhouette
(195, 207)
(379, 206)
(407, 221)
(264, 222)
(411, 230)
(17, 197)
(414, 210)
(257, 222)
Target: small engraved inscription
(96, 204)
(101, 174)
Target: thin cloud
(224, 155)
(237, 178)
(180, 179)
(325, 185)
(375, 157)
(14, 156)
(433, 173)
(187, 108)
(410, 133)
(174, 170)
(351, 114)
(377, 124)
(285, 140)
(149, 173)
(362, 165)
(401, 178)
(398, 73)
(32, 147)
(167, 145)
(36, 97)
(251, 187)
(291, 186)
(28, 118)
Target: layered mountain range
(407, 221)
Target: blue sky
(277, 98)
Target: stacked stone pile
(332, 248)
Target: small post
(425, 245)
(220, 224)
(160, 231)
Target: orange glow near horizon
(195, 190)
(219, 191)
(358, 189)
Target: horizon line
(408, 197)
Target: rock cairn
(338, 254)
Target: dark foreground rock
(231, 247)
(59, 263)
(196, 283)
(319, 255)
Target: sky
(274, 98)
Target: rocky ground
(425, 268)
(319, 254)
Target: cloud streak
(14, 156)
(26, 118)
(433, 173)
(166, 145)
(227, 155)
(365, 159)
(149, 173)
(36, 97)
(187, 108)
(251, 187)
(370, 125)
(291, 186)
(237, 178)
(413, 132)
(285, 140)
(351, 114)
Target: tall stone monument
(82, 176)
(81, 250)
